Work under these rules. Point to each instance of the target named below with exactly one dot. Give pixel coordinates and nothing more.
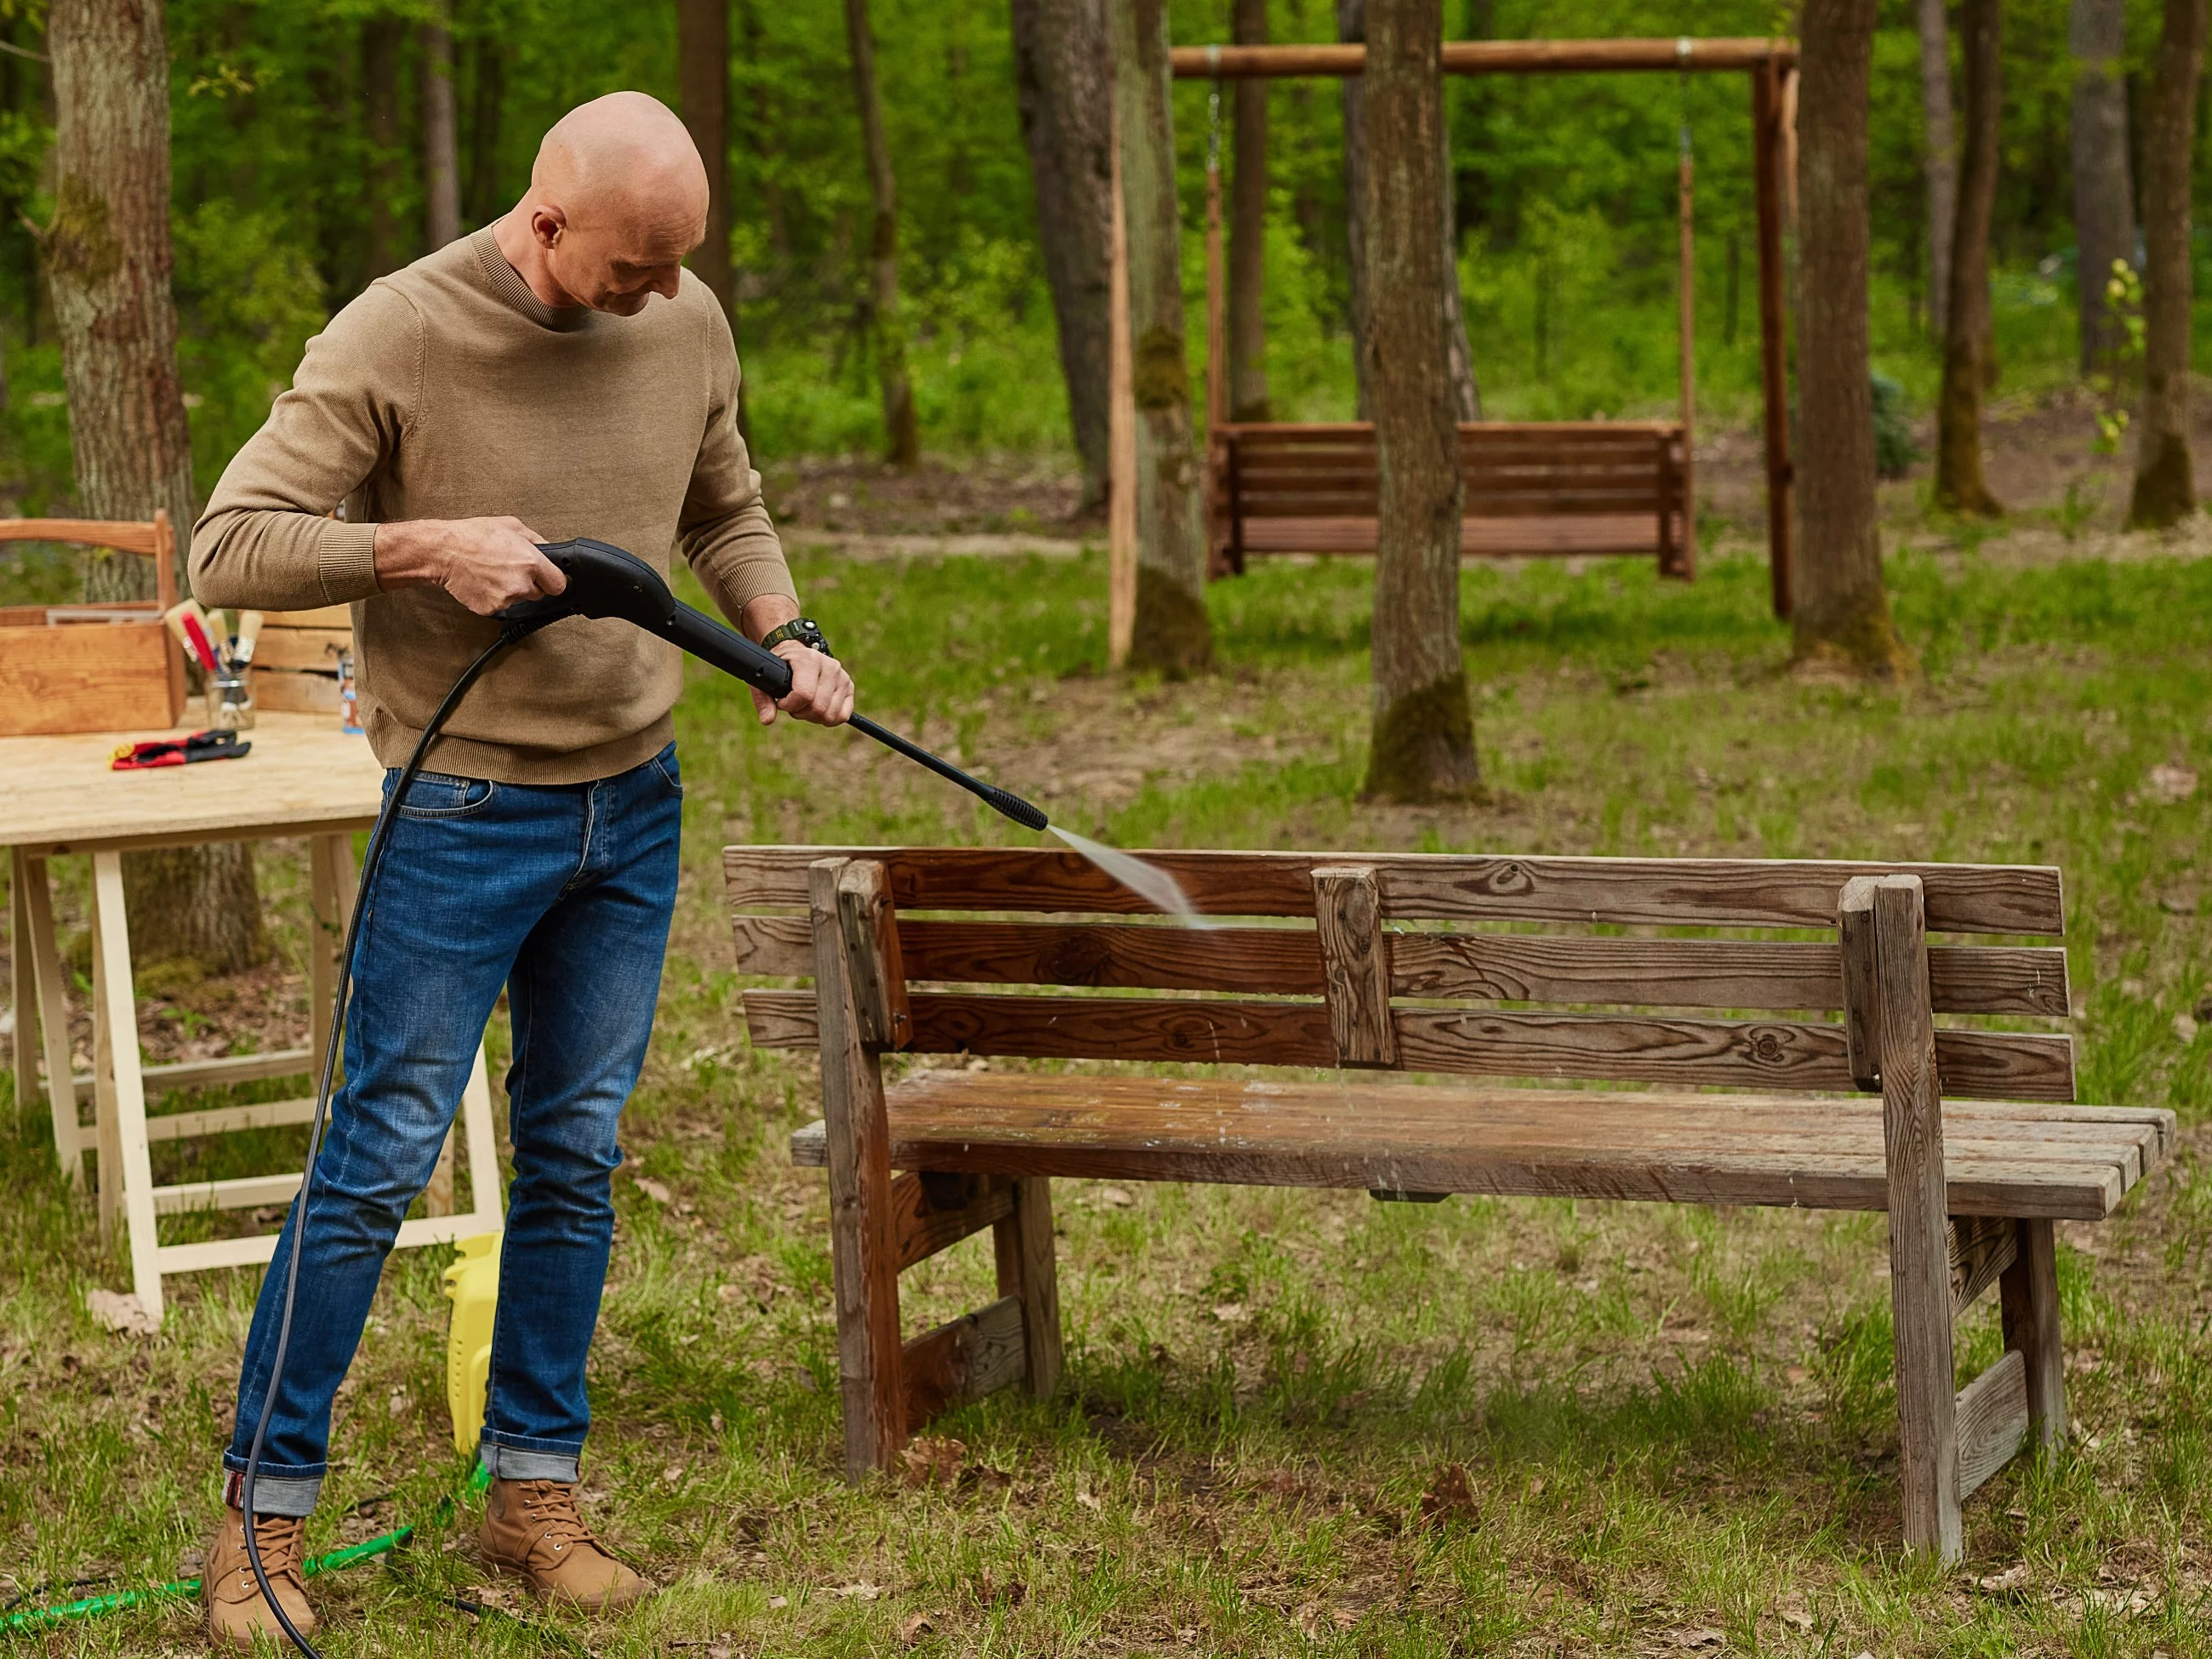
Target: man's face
(614, 255)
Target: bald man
(555, 374)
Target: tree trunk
(107, 267)
(379, 76)
(441, 168)
(1423, 746)
(1841, 614)
(1466, 399)
(487, 96)
(1942, 159)
(1969, 362)
(1248, 229)
(702, 91)
(1064, 87)
(903, 441)
(2104, 196)
(1173, 633)
(2166, 483)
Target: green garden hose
(95, 1607)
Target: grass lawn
(1293, 1422)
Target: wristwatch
(804, 630)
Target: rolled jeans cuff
(292, 1495)
(524, 1463)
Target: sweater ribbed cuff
(345, 561)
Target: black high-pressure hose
(603, 580)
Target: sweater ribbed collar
(508, 287)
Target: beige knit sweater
(450, 391)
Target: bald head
(617, 197)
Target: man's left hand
(821, 689)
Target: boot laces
(281, 1539)
(549, 1507)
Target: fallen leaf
(1231, 1313)
(1996, 1584)
(1082, 1497)
(672, 1474)
(777, 1603)
(1120, 1197)
(653, 1189)
(1794, 1375)
(395, 1406)
(2184, 1027)
(850, 1592)
(1702, 1637)
(1796, 1618)
(1450, 1497)
(126, 1314)
(932, 1458)
(913, 1629)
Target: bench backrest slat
(1357, 986)
(2020, 979)
(1757, 1055)
(1961, 898)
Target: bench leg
(2029, 1294)
(1027, 1270)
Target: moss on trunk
(2166, 485)
(1424, 746)
(1173, 635)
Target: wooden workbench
(58, 796)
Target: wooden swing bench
(1967, 1137)
(1533, 489)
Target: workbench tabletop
(303, 776)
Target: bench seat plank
(2071, 1163)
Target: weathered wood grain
(1991, 1412)
(1484, 1042)
(2004, 1159)
(2029, 1293)
(870, 926)
(1856, 974)
(1029, 1271)
(1419, 886)
(962, 1361)
(925, 1221)
(863, 1250)
(1966, 979)
(1355, 965)
(1982, 1248)
(1919, 1238)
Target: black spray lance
(607, 582)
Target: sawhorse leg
(38, 970)
(126, 1172)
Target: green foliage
(1894, 452)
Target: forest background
(298, 177)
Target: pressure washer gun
(605, 580)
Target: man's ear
(546, 224)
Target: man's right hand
(488, 564)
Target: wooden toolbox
(295, 662)
(105, 667)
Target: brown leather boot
(235, 1612)
(532, 1530)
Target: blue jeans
(562, 894)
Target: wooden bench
(1533, 487)
(1965, 1135)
